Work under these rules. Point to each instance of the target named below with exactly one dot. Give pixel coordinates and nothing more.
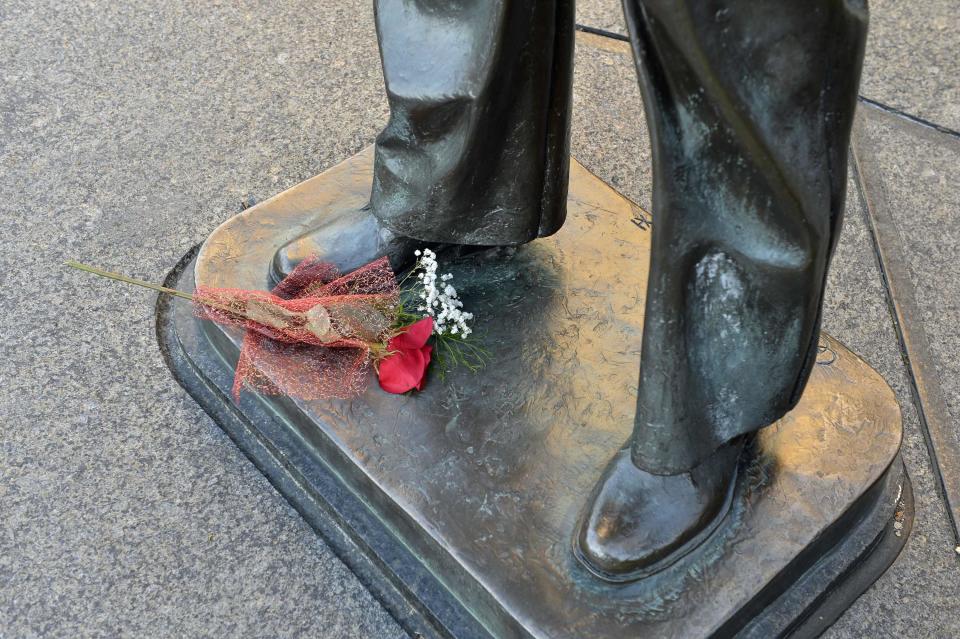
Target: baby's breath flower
(443, 305)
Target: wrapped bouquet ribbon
(318, 333)
(315, 335)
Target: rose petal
(403, 371)
(425, 351)
(415, 336)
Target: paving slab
(907, 172)
(608, 130)
(912, 61)
(128, 131)
(925, 577)
(602, 14)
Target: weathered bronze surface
(477, 146)
(483, 476)
(748, 105)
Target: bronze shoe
(637, 523)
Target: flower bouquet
(318, 333)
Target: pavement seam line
(914, 347)
(613, 35)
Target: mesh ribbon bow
(314, 335)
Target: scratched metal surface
(485, 474)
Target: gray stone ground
(918, 169)
(128, 131)
(913, 54)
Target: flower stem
(128, 280)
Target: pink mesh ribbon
(311, 337)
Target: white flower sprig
(439, 298)
(434, 296)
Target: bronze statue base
(457, 506)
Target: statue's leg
(476, 150)
(749, 105)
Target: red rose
(406, 368)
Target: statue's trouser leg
(749, 106)
(476, 150)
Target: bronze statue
(488, 504)
(749, 106)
